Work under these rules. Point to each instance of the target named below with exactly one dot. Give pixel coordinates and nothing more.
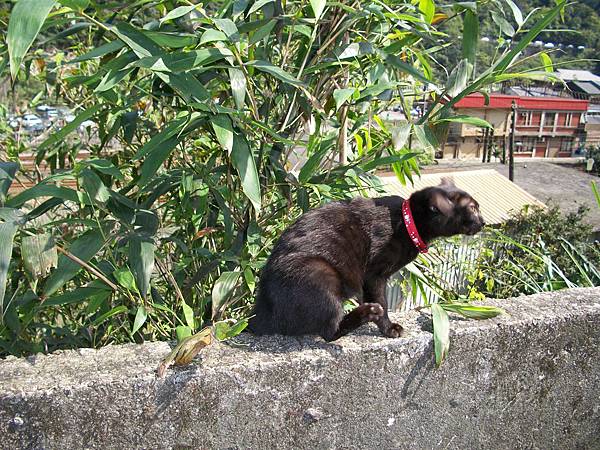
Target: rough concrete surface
(529, 379)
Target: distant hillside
(581, 27)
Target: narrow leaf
(26, 20)
(243, 161)
(141, 261)
(441, 333)
(39, 254)
(84, 247)
(318, 6)
(8, 170)
(222, 290)
(470, 36)
(140, 318)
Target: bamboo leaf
(141, 261)
(441, 333)
(400, 134)
(223, 127)
(387, 160)
(473, 311)
(8, 228)
(85, 248)
(8, 170)
(45, 190)
(243, 161)
(140, 318)
(186, 350)
(459, 77)
(85, 293)
(470, 36)
(277, 72)
(228, 27)
(547, 62)
(39, 254)
(212, 35)
(94, 187)
(107, 315)
(341, 96)
(70, 127)
(518, 15)
(504, 25)
(77, 5)
(125, 278)
(26, 20)
(427, 7)
(238, 87)
(468, 119)
(188, 314)
(318, 6)
(222, 289)
(178, 12)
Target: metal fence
(449, 261)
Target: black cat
(349, 249)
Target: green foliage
(538, 250)
(203, 113)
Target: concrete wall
(528, 379)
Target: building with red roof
(545, 126)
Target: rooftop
(497, 196)
(577, 75)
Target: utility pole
(485, 133)
(490, 144)
(511, 148)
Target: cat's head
(445, 210)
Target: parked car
(49, 112)
(31, 122)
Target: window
(525, 145)
(566, 144)
(568, 119)
(549, 120)
(525, 118)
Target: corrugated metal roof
(588, 87)
(498, 197)
(580, 75)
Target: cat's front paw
(374, 312)
(393, 330)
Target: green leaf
(257, 5)
(222, 289)
(478, 122)
(397, 63)
(94, 187)
(387, 160)
(178, 12)
(459, 77)
(223, 127)
(212, 35)
(7, 235)
(125, 278)
(155, 159)
(318, 6)
(427, 7)
(106, 167)
(107, 315)
(518, 15)
(470, 36)
(182, 331)
(70, 127)
(228, 27)
(441, 333)
(78, 295)
(472, 311)
(77, 5)
(141, 261)
(310, 167)
(243, 161)
(26, 20)
(400, 135)
(238, 87)
(140, 318)
(39, 254)
(188, 314)
(596, 192)
(277, 72)
(45, 190)
(8, 171)
(263, 32)
(547, 62)
(341, 96)
(84, 247)
(426, 136)
(504, 25)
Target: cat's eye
(434, 209)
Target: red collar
(412, 228)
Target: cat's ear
(448, 182)
(440, 201)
